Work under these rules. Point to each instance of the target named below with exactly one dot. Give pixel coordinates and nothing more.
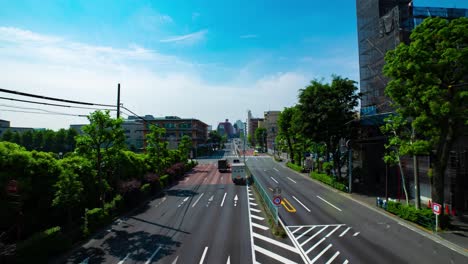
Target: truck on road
(238, 173)
(223, 165)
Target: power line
(31, 108)
(60, 105)
(134, 113)
(43, 113)
(51, 98)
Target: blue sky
(205, 59)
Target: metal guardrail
(265, 197)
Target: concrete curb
(416, 228)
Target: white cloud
(152, 83)
(248, 36)
(188, 38)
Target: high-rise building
(271, 125)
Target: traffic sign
(436, 208)
(277, 200)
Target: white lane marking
(254, 204)
(235, 200)
(274, 242)
(292, 180)
(183, 202)
(333, 231)
(152, 256)
(274, 180)
(276, 169)
(204, 254)
(251, 199)
(255, 210)
(211, 198)
(329, 203)
(260, 226)
(345, 262)
(299, 228)
(301, 204)
(273, 255)
(257, 217)
(310, 238)
(355, 234)
(124, 259)
(315, 245)
(222, 178)
(332, 258)
(303, 234)
(193, 205)
(223, 199)
(321, 253)
(251, 233)
(175, 260)
(162, 200)
(344, 232)
(228, 260)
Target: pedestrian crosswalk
(316, 241)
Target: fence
(273, 209)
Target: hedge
(165, 180)
(38, 247)
(95, 219)
(294, 166)
(145, 189)
(328, 180)
(423, 217)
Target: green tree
(428, 83)
(49, 140)
(60, 141)
(27, 141)
(103, 139)
(70, 139)
(156, 149)
(215, 138)
(38, 140)
(285, 121)
(260, 137)
(185, 145)
(326, 111)
(68, 192)
(7, 135)
(16, 138)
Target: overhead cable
(60, 105)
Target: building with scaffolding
(383, 25)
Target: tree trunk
(417, 193)
(291, 151)
(403, 182)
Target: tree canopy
(428, 84)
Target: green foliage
(156, 149)
(96, 218)
(260, 137)
(132, 165)
(165, 181)
(145, 188)
(214, 138)
(424, 217)
(43, 140)
(327, 166)
(294, 166)
(329, 181)
(428, 83)
(289, 130)
(40, 246)
(184, 147)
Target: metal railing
(267, 199)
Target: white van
(238, 173)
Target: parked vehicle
(238, 173)
(223, 165)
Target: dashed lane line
(333, 258)
(175, 260)
(277, 243)
(329, 203)
(124, 259)
(195, 203)
(273, 255)
(276, 169)
(152, 256)
(292, 180)
(274, 180)
(355, 234)
(301, 204)
(223, 199)
(344, 232)
(204, 254)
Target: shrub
(423, 217)
(95, 219)
(38, 247)
(145, 189)
(329, 181)
(153, 180)
(176, 170)
(294, 166)
(164, 181)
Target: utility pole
(118, 100)
(417, 198)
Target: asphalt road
(331, 228)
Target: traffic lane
(374, 228)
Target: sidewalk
(458, 235)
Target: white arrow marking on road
(223, 199)
(235, 200)
(211, 198)
(204, 254)
(355, 234)
(292, 180)
(274, 180)
(329, 203)
(301, 204)
(229, 260)
(152, 256)
(175, 260)
(193, 205)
